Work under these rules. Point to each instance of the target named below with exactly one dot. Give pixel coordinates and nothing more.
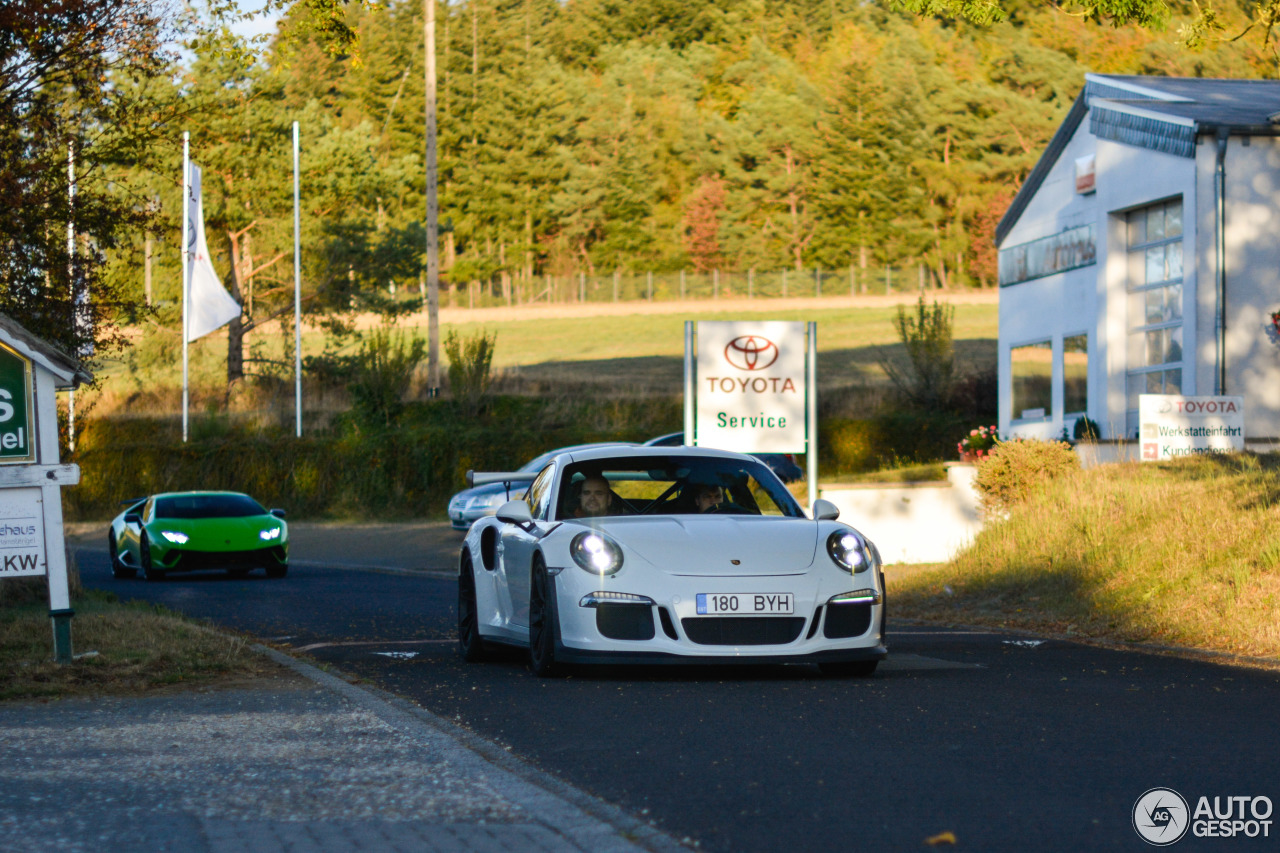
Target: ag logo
(1160, 816)
(751, 352)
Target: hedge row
(411, 471)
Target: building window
(1032, 371)
(1155, 302)
(1075, 247)
(1075, 374)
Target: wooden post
(433, 248)
(146, 272)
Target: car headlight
(596, 553)
(268, 535)
(488, 501)
(174, 536)
(848, 551)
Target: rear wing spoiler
(509, 478)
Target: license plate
(746, 604)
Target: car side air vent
(813, 626)
(668, 627)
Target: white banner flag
(209, 306)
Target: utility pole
(433, 213)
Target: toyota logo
(751, 352)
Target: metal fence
(670, 286)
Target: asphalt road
(1007, 742)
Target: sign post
(751, 387)
(31, 535)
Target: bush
(1085, 429)
(381, 375)
(927, 337)
(470, 360)
(1015, 469)
(886, 440)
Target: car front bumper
(668, 629)
(179, 559)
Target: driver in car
(708, 497)
(595, 498)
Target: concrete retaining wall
(913, 522)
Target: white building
(1142, 255)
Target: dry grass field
(624, 349)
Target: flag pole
(297, 290)
(71, 274)
(186, 267)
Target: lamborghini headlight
(175, 536)
(268, 535)
(848, 551)
(596, 553)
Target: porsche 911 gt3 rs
(668, 555)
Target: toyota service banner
(750, 386)
(1173, 426)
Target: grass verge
(139, 647)
(1183, 553)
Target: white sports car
(668, 555)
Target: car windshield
(672, 485)
(208, 506)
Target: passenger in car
(595, 499)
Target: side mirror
(515, 512)
(278, 513)
(132, 518)
(824, 510)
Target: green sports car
(186, 531)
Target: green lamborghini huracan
(186, 531)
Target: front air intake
(742, 630)
(625, 621)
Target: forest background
(595, 136)
(583, 137)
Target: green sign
(16, 443)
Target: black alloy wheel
(118, 569)
(144, 556)
(470, 643)
(542, 621)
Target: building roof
(65, 368)
(1166, 114)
